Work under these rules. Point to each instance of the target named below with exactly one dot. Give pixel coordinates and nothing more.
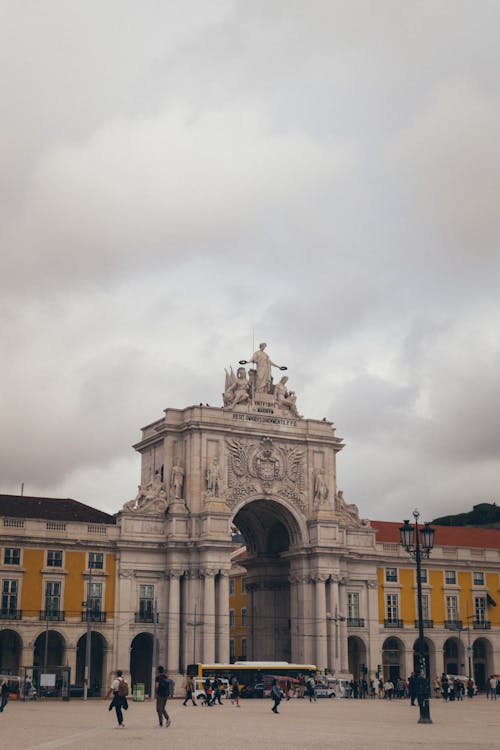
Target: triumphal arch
(253, 463)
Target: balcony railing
(393, 623)
(481, 625)
(57, 615)
(93, 616)
(11, 614)
(145, 617)
(426, 623)
(355, 622)
(453, 624)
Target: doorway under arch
(10, 651)
(55, 649)
(141, 660)
(482, 658)
(97, 676)
(356, 656)
(453, 656)
(271, 534)
(393, 654)
(429, 658)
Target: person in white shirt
(118, 701)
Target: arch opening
(271, 535)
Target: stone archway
(356, 654)
(52, 644)
(141, 660)
(482, 660)
(429, 656)
(453, 656)
(97, 677)
(393, 658)
(10, 651)
(271, 534)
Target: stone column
(173, 620)
(222, 620)
(332, 598)
(320, 621)
(209, 615)
(343, 645)
(306, 618)
(71, 661)
(295, 633)
(374, 657)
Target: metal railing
(426, 623)
(393, 623)
(52, 614)
(145, 617)
(355, 622)
(93, 616)
(11, 614)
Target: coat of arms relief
(261, 466)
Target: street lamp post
(418, 542)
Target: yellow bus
(250, 673)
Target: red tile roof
(446, 536)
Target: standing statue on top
(264, 364)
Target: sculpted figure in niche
(236, 388)
(264, 364)
(320, 487)
(214, 477)
(285, 399)
(177, 481)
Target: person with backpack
(162, 691)
(119, 689)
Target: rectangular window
(452, 608)
(391, 575)
(231, 650)
(352, 605)
(94, 598)
(243, 585)
(52, 598)
(96, 560)
(231, 587)
(450, 577)
(243, 616)
(392, 603)
(12, 556)
(423, 575)
(480, 609)
(146, 599)
(9, 596)
(232, 619)
(54, 558)
(478, 578)
(425, 607)
(243, 648)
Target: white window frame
(478, 578)
(480, 610)
(353, 605)
(54, 563)
(450, 577)
(388, 576)
(391, 607)
(244, 617)
(12, 550)
(451, 606)
(92, 560)
(232, 618)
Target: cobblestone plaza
(349, 724)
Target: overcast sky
(177, 177)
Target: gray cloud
(322, 179)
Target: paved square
(347, 724)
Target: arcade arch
(393, 656)
(52, 643)
(10, 651)
(141, 660)
(356, 655)
(429, 655)
(272, 534)
(97, 662)
(482, 658)
(453, 656)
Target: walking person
(190, 690)
(4, 695)
(493, 687)
(276, 696)
(216, 691)
(412, 688)
(162, 691)
(235, 692)
(311, 689)
(119, 690)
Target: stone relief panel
(261, 466)
(151, 498)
